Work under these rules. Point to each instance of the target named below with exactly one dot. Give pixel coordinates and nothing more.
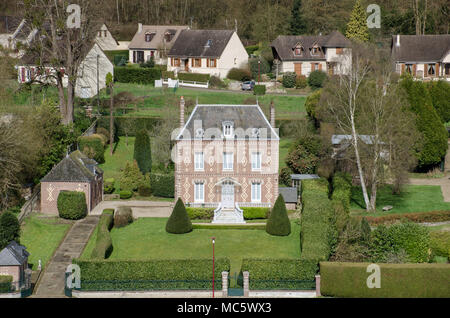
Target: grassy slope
(285, 144)
(413, 198)
(41, 236)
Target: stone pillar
(318, 286)
(272, 114)
(246, 283)
(181, 112)
(224, 284)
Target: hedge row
(200, 213)
(134, 124)
(397, 280)
(71, 205)
(193, 77)
(5, 283)
(317, 229)
(93, 147)
(103, 245)
(341, 196)
(209, 226)
(163, 185)
(151, 274)
(251, 213)
(432, 216)
(279, 273)
(440, 243)
(141, 75)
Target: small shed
(76, 172)
(14, 262)
(297, 180)
(290, 197)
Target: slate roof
(289, 194)
(304, 176)
(210, 118)
(13, 254)
(138, 41)
(420, 48)
(75, 167)
(337, 139)
(193, 43)
(284, 45)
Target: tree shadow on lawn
(384, 197)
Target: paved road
(155, 209)
(51, 283)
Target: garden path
(141, 208)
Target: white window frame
(199, 192)
(228, 131)
(256, 192)
(199, 161)
(228, 164)
(256, 161)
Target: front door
(298, 68)
(228, 194)
(186, 65)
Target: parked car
(248, 86)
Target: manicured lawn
(42, 235)
(146, 238)
(285, 144)
(414, 198)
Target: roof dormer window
(298, 49)
(255, 132)
(199, 133)
(149, 36)
(228, 129)
(208, 43)
(315, 50)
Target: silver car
(248, 85)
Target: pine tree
(142, 151)
(278, 222)
(179, 222)
(357, 26)
(298, 24)
(9, 229)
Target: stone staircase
(228, 216)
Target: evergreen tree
(357, 26)
(9, 229)
(298, 23)
(142, 151)
(179, 222)
(278, 222)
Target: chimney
(139, 27)
(397, 43)
(181, 112)
(272, 114)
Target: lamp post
(213, 242)
(259, 75)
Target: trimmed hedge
(209, 226)
(163, 185)
(93, 147)
(103, 245)
(179, 222)
(154, 274)
(142, 151)
(141, 75)
(259, 90)
(440, 243)
(168, 74)
(340, 198)
(278, 223)
(195, 77)
(433, 216)
(397, 280)
(200, 213)
(251, 213)
(123, 216)
(108, 185)
(318, 233)
(279, 273)
(239, 74)
(72, 205)
(125, 194)
(5, 283)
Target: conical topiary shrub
(278, 222)
(179, 222)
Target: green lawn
(146, 238)
(285, 144)
(42, 235)
(414, 198)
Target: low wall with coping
(148, 294)
(11, 295)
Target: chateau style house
(226, 157)
(153, 41)
(213, 52)
(305, 54)
(423, 56)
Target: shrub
(131, 177)
(155, 274)
(440, 97)
(123, 216)
(140, 75)
(239, 74)
(440, 243)
(280, 273)
(103, 245)
(305, 154)
(195, 77)
(168, 74)
(289, 79)
(216, 82)
(148, 64)
(121, 123)
(312, 102)
(93, 146)
(200, 213)
(316, 79)
(142, 151)
(251, 213)
(102, 131)
(163, 185)
(5, 283)
(108, 185)
(301, 82)
(259, 90)
(144, 190)
(278, 222)
(125, 194)
(258, 68)
(9, 229)
(397, 280)
(251, 49)
(179, 222)
(285, 176)
(72, 205)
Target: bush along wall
(163, 185)
(72, 205)
(281, 273)
(141, 75)
(103, 244)
(156, 274)
(5, 283)
(195, 77)
(397, 280)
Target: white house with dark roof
(226, 157)
(423, 56)
(304, 54)
(213, 52)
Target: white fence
(176, 83)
